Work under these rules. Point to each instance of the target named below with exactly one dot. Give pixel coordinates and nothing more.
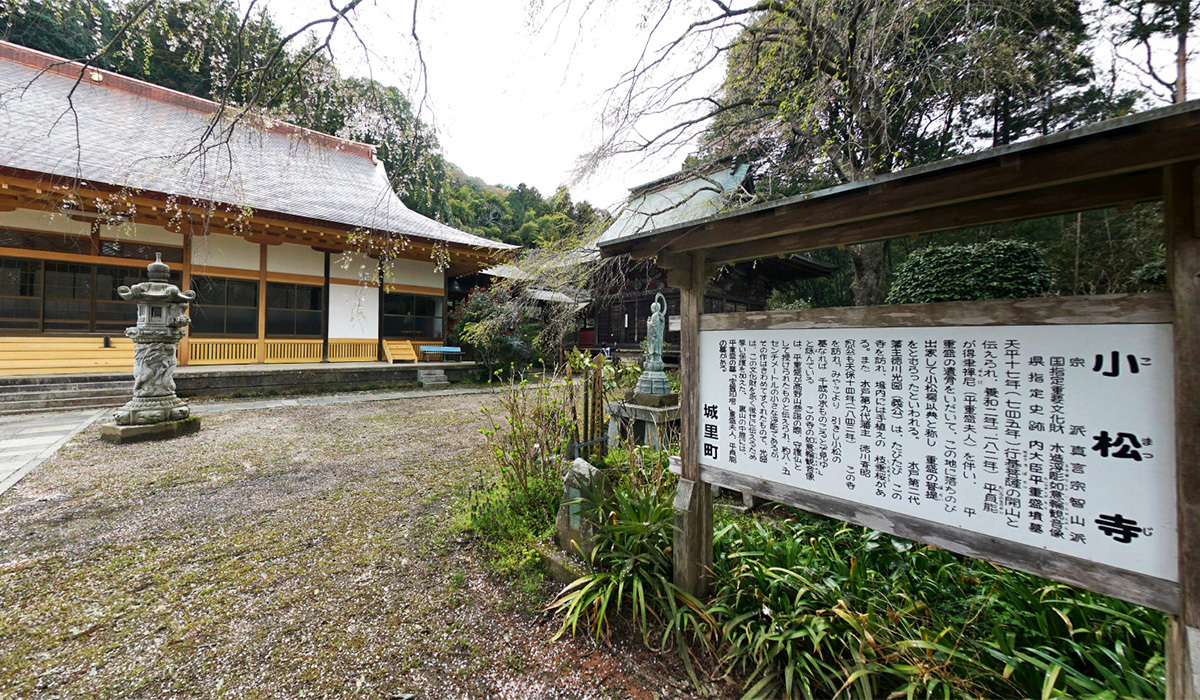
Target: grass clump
(810, 607)
(515, 509)
(807, 607)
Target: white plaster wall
(142, 233)
(416, 272)
(295, 259)
(220, 250)
(350, 266)
(353, 311)
(36, 220)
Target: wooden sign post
(693, 546)
(1183, 275)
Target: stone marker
(155, 412)
(571, 528)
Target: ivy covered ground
(295, 552)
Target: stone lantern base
(121, 434)
(144, 410)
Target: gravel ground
(286, 553)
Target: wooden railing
(222, 351)
(65, 355)
(353, 350)
(293, 351)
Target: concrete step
(433, 378)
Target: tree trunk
(870, 283)
(1184, 27)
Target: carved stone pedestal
(645, 425)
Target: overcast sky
(513, 100)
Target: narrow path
(27, 441)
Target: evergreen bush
(998, 269)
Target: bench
(439, 350)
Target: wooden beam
(1154, 307)
(262, 228)
(1145, 146)
(1135, 187)
(185, 344)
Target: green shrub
(495, 328)
(998, 269)
(808, 607)
(631, 564)
(1151, 276)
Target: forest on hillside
(210, 49)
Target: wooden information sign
(1054, 442)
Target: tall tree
(819, 92)
(1142, 23)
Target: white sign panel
(1059, 437)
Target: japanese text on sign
(1059, 437)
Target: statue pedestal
(645, 425)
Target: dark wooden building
(620, 320)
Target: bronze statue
(654, 379)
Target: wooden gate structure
(1153, 156)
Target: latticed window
(412, 316)
(140, 251)
(225, 307)
(294, 310)
(67, 297)
(20, 294)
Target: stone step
(433, 378)
(60, 379)
(67, 391)
(57, 404)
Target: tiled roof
(128, 133)
(673, 200)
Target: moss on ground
(301, 552)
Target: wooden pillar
(382, 277)
(261, 351)
(1183, 274)
(185, 345)
(325, 313)
(692, 549)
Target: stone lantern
(155, 412)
